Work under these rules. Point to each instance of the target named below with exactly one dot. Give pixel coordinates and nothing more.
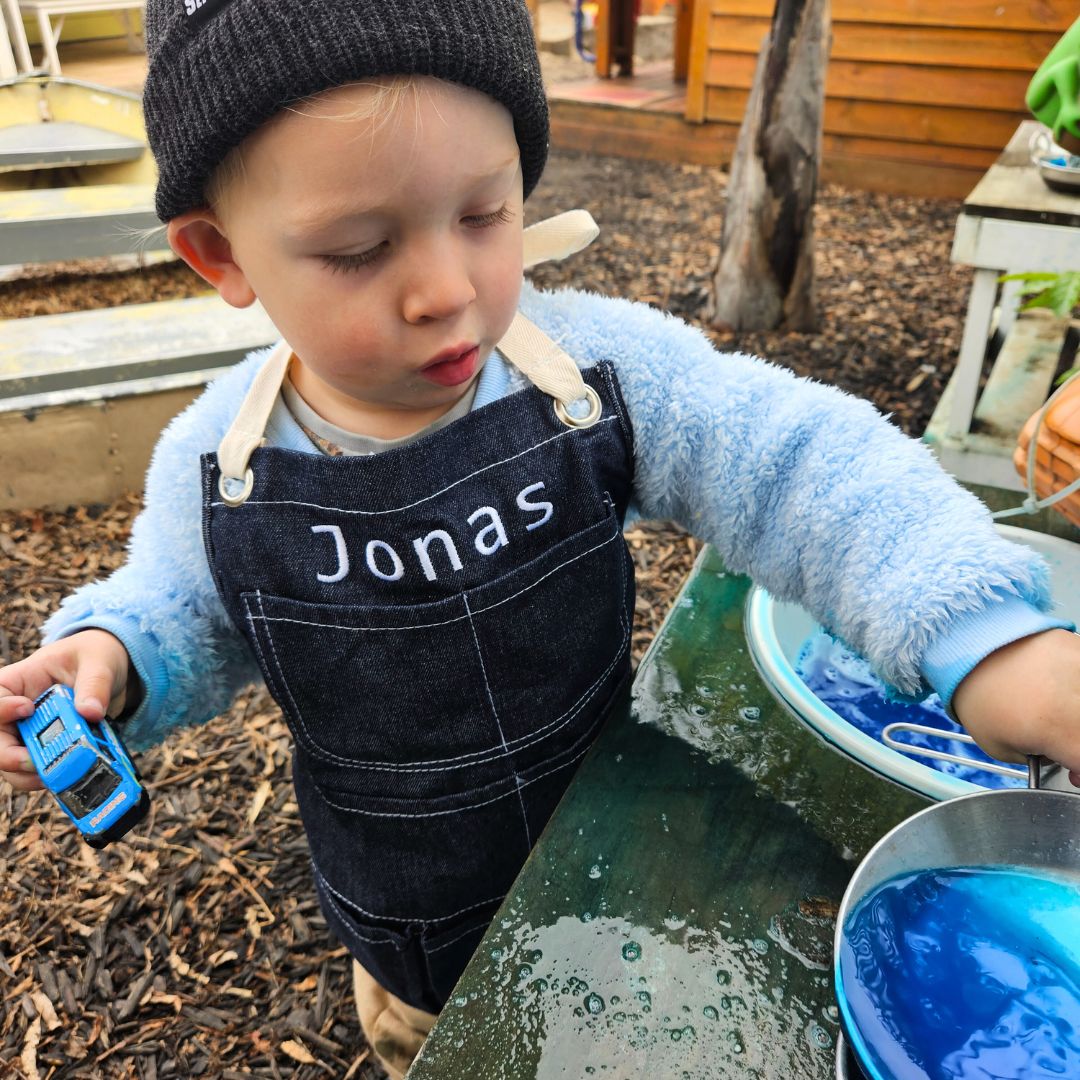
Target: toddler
(406, 516)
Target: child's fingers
(15, 765)
(93, 689)
(27, 679)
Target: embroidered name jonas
(385, 561)
(200, 12)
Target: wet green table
(675, 920)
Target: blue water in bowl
(844, 682)
(964, 973)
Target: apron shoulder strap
(249, 427)
(540, 359)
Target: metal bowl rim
(847, 1026)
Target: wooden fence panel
(966, 87)
(935, 88)
(986, 14)
(1013, 50)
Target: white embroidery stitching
(400, 918)
(476, 757)
(457, 937)
(498, 723)
(458, 810)
(434, 494)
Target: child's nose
(439, 286)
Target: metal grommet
(241, 496)
(596, 410)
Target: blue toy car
(85, 766)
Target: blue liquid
(965, 973)
(844, 682)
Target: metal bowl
(776, 631)
(1028, 829)
(1060, 177)
(847, 1067)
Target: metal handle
(1031, 774)
(1034, 772)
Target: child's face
(387, 251)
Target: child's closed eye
(361, 259)
(483, 221)
(355, 261)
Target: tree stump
(764, 278)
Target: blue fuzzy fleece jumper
(806, 489)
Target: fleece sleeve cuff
(144, 655)
(972, 637)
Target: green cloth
(1053, 95)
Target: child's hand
(92, 662)
(1024, 698)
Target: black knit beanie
(218, 69)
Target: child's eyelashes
(357, 261)
(482, 221)
(354, 262)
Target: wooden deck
(639, 117)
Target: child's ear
(198, 238)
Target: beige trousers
(394, 1031)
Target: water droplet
(594, 872)
(496, 954)
(644, 997)
(589, 1069)
(631, 951)
(614, 999)
(818, 1036)
(538, 985)
(676, 1035)
(760, 946)
(750, 713)
(711, 1013)
(586, 916)
(524, 971)
(723, 977)
(579, 1011)
(673, 922)
(532, 956)
(461, 1001)
(699, 710)
(620, 1016)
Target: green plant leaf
(1058, 292)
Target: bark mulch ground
(196, 948)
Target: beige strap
(557, 238)
(543, 362)
(525, 345)
(249, 428)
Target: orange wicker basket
(1057, 453)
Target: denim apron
(444, 625)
